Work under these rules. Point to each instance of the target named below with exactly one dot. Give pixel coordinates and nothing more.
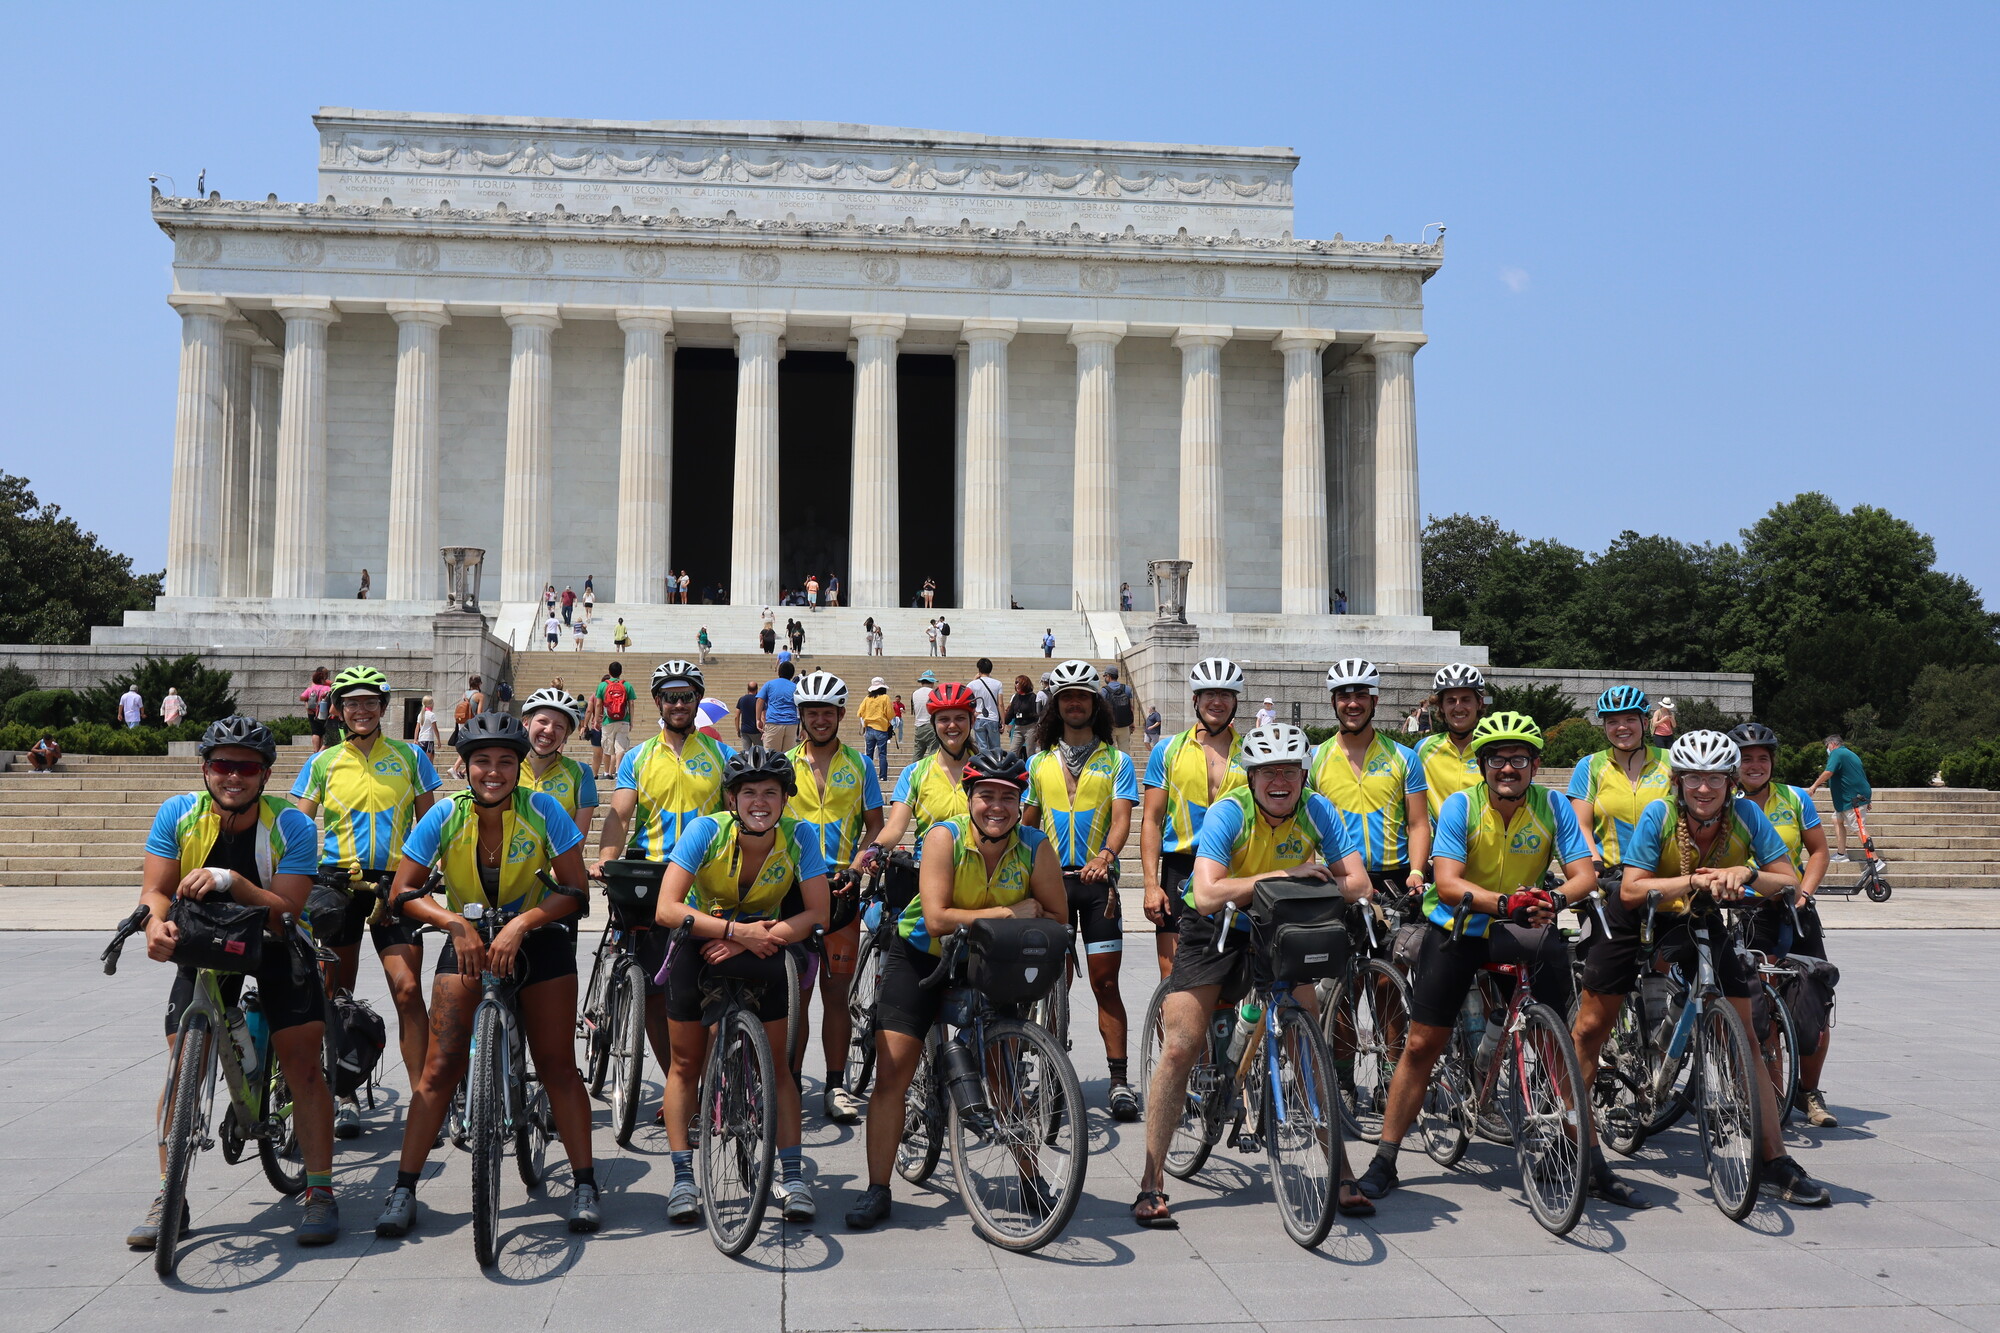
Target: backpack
(944, 629)
(358, 1040)
(506, 691)
(615, 698)
(1121, 703)
(463, 713)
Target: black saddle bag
(1014, 962)
(1301, 920)
(222, 936)
(632, 887)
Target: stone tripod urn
(463, 567)
(1170, 580)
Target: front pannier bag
(1301, 920)
(1015, 962)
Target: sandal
(1149, 1210)
(1351, 1202)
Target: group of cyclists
(1454, 835)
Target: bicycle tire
(627, 1048)
(1732, 1115)
(595, 1024)
(1052, 1010)
(194, 1054)
(1551, 1136)
(281, 1156)
(1375, 1002)
(1302, 1126)
(923, 1119)
(1446, 1119)
(1681, 1091)
(795, 1014)
(531, 1134)
(862, 990)
(1617, 1098)
(739, 1130)
(1782, 1064)
(485, 1132)
(1188, 1150)
(1037, 1109)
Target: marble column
(194, 515)
(527, 519)
(1094, 525)
(1335, 416)
(410, 572)
(986, 570)
(1201, 480)
(874, 534)
(1302, 525)
(239, 343)
(1358, 375)
(267, 389)
(1399, 516)
(645, 456)
(298, 535)
(753, 542)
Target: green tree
(205, 689)
(56, 580)
(1458, 548)
(1955, 706)
(1651, 604)
(1524, 607)
(1859, 658)
(1547, 703)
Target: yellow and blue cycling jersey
(187, 825)
(1655, 847)
(674, 789)
(971, 887)
(572, 784)
(710, 849)
(927, 788)
(1080, 821)
(1502, 855)
(835, 815)
(1791, 812)
(1180, 769)
(1616, 801)
(367, 794)
(534, 828)
(1373, 804)
(1448, 770)
(1236, 836)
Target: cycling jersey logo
(843, 778)
(1380, 764)
(390, 768)
(522, 847)
(557, 786)
(1527, 842)
(700, 764)
(1292, 846)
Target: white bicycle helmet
(1458, 676)
(1353, 671)
(1215, 673)
(560, 700)
(1075, 674)
(666, 673)
(820, 687)
(1704, 752)
(1279, 743)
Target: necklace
(490, 857)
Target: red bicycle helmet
(995, 766)
(952, 695)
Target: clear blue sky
(1700, 257)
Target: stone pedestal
(461, 648)
(1157, 667)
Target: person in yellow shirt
(1184, 777)
(1449, 762)
(878, 723)
(550, 716)
(1611, 788)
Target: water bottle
(1475, 1025)
(1248, 1015)
(1489, 1042)
(253, 1018)
(239, 1037)
(962, 1082)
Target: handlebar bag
(632, 887)
(1015, 962)
(1302, 920)
(223, 936)
(843, 900)
(899, 884)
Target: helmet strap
(958, 755)
(1201, 723)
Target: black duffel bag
(1012, 961)
(358, 1043)
(1301, 920)
(219, 934)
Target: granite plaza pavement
(1908, 1245)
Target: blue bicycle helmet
(1621, 699)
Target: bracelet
(729, 930)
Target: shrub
(1975, 766)
(1546, 703)
(1566, 746)
(41, 708)
(1908, 764)
(206, 690)
(100, 737)
(1799, 764)
(14, 681)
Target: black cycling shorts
(1094, 911)
(291, 996)
(901, 1003)
(1197, 964)
(545, 956)
(1771, 933)
(1612, 967)
(390, 929)
(651, 948)
(1445, 968)
(1176, 869)
(687, 970)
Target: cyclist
(232, 840)
(932, 789)
(372, 790)
(1449, 761)
(1494, 844)
(488, 842)
(1376, 785)
(1700, 836)
(1796, 819)
(550, 716)
(1184, 777)
(1611, 788)
(982, 862)
(1085, 786)
(1273, 825)
(754, 880)
(839, 799)
(664, 784)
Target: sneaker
(346, 1121)
(795, 1199)
(1124, 1102)
(1784, 1177)
(146, 1235)
(869, 1207)
(842, 1107)
(1814, 1105)
(1378, 1179)
(684, 1203)
(1840, 856)
(583, 1210)
(399, 1214)
(320, 1224)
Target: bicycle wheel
(923, 1119)
(284, 1162)
(486, 1130)
(861, 992)
(1051, 1012)
(1302, 1126)
(1367, 1017)
(194, 1058)
(739, 1130)
(1617, 1094)
(627, 1047)
(1732, 1119)
(1781, 1053)
(1191, 1145)
(531, 1134)
(1550, 1140)
(1446, 1122)
(795, 1017)
(1020, 1167)
(595, 1023)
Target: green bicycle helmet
(1507, 728)
(360, 680)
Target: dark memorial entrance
(815, 466)
(927, 458)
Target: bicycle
(1267, 1079)
(1523, 1060)
(260, 1100)
(878, 928)
(1780, 1045)
(1004, 1089)
(1365, 1016)
(611, 1021)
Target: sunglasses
(1706, 780)
(235, 768)
(680, 696)
(1518, 762)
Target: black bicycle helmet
(1747, 734)
(247, 732)
(754, 761)
(484, 729)
(996, 766)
